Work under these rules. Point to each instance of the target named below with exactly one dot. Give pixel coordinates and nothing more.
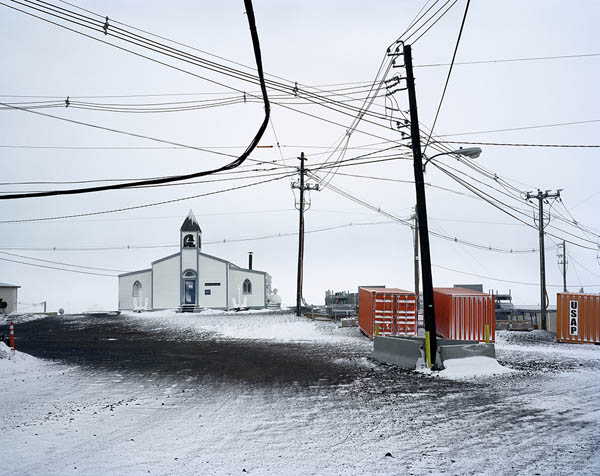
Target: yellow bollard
(376, 329)
(427, 349)
(487, 333)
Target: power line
(407, 38)
(448, 76)
(385, 179)
(203, 51)
(372, 157)
(580, 146)
(58, 269)
(499, 205)
(541, 126)
(177, 54)
(237, 162)
(175, 245)
(511, 60)
(435, 22)
(505, 280)
(61, 263)
(408, 223)
(146, 205)
(142, 42)
(181, 106)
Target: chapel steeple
(191, 234)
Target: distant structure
(274, 300)
(341, 303)
(472, 287)
(516, 316)
(505, 309)
(8, 298)
(190, 280)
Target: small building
(8, 298)
(533, 314)
(191, 279)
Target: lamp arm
(433, 157)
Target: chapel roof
(190, 223)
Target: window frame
(247, 287)
(136, 284)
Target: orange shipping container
(387, 312)
(463, 314)
(578, 318)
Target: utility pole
(541, 196)
(302, 187)
(416, 253)
(428, 308)
(562, 261)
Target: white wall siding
(167, 283)
(9, 296)
(189, 259)
(236, 291)
(126, 289)
(212, 271)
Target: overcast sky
(313, 43)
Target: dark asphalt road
(116, 343)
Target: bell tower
(191, 234)
(190, 243)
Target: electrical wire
(509, 144)
(145, 205)
(406, 222)
(58, 269)
(434, 23)
(541, 126)
(170, 52)
(511, 60)
(239, 161)
(503, 280)
(462, 25)
(61, 263)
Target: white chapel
(190, 280)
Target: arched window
(189, 241)
(247, 287)
(190, 273)
(136, 290)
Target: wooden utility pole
(428, 307)
(302, 187)
(416, 256)
(562, 261)
(541, 196)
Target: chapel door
(189, 289)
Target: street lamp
(469, 152)
(423, 234)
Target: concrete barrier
(448, 352)
(405, 352)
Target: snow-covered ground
(254, 324)
(541, 418)
(20, 318)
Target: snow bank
(16, 361)
(544, 344)
(472, 367)
(262, 325)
